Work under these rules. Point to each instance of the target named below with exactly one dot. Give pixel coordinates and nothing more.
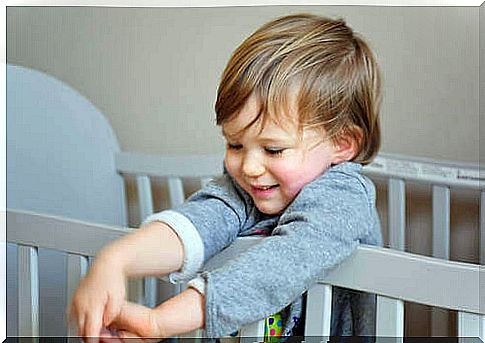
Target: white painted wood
(384, 165)
(390, 317)
(58, 233)
(178, 166)
(410, 277)
(145, 199)
(175, 191)
(482, 227)
(252, 331)
(440, 249)
(397, 213)
(145, 204)
(176, 197)
(482, 328)
(318, 311)
(28, 291)
(441, 222)
(151, 291)
(469, 324)
(392, 273)
(426, 170)
(77, 267)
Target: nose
(252, 165)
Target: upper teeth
(265, 187)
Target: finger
(93, 324)
(133, 338)
(130, 337)
(81, 320)
(71, 319)
(111, 310)
(108, 335)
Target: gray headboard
(60, 161)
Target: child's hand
(181, 314)
(136, 321)
(99, 299)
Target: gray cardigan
(318, 230)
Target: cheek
(291, 177)
(294, 176)
(231, 164)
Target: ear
(347, 146)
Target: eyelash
(274, 152)
(270, 151)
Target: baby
(298, 104)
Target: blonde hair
(334, 70)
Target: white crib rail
(30, 232)
(389, 273)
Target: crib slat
(318, 310)
(441, 249)
(175, 191)
(177, 197)
(397, 213)
(145, 202)
(77, 267)
(252, 331)
(482, 227)
(28, 291)
(390, 317)
(471, 325)
(441, 222)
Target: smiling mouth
(264, 188)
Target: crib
(395, 275)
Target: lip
(260, 192)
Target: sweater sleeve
(206, 223)
(318, 231)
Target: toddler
(298, 105)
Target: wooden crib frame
(394, 275)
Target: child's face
(273, 164)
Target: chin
(269, 211)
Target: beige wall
(154, 71)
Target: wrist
(181, 314)
(107, 261)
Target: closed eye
(234, 146)
(274, 151)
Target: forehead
(284, 121)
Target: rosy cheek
(294, 176)
(290, 178)
(231, 164)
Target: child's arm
(182, 313)
(154, 249)
(318, 231)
